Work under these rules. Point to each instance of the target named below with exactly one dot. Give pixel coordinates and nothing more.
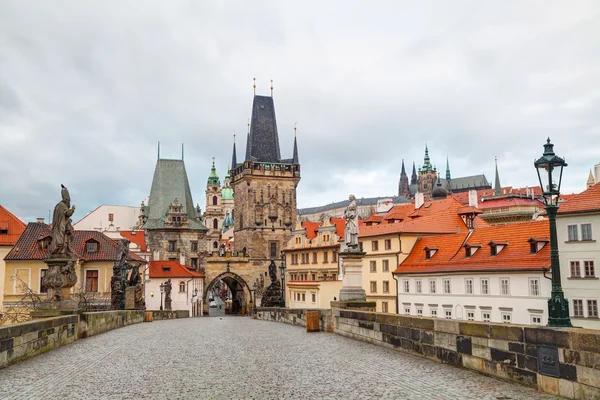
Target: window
(325, 256)
(485, 286)
(572, 232)
(433, 312)
(111, 217)
(536, 319)
(194, 246)
(448, 314)
(592, 308)
(506, 318)
(313, 276)
(172, 245)
(194, 262)
(92, 246)
(388, 244)
(386, 286)
(406, 284)
(384, 306)
(504, 286)
(469, 286)
(215, 245)
(273, 250)
(586, 231)
(182, 286)
(485, 316)
(385, 265)
(314, 297)
(533, 247)
(375, 245)
(407, 310)
(419, 311)
(447, 286)
(588, 267)
(214, 200)
(91, 280)
(373, 266)
(314, 261)
(575, 269)
(493, 250)
(373, 285)
(432, 286)
(43, 288)
(418, 288)
(534, 287)
(333, 256)
(470, 315)
(578, 308)
(215, 223)
(44, 243)
(303, 296)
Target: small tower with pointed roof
(403, 188)
(413, 178)
(427, 175)
(213, 214)
(497, 187)
(448, 176)
(591, 181)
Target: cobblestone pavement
(240, 358)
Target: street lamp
(282, 269)
(549, 169)
(162, 290)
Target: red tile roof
(451, 256)
(399, 212)
(138, 237)
(509, 202)
(586, 201)
(28, 248)
(340, 226)
(13, 225)
(311, 229)
(463, 197)
(171, 269)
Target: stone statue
(273, 271)
(122, 252)
(272, 295)
(68, 274)
(62, 230)
(168, 288)
(351, 229)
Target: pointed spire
(271, 87)
(403, 169)
(448, 177)
(254, 85)
(181, 151)
(213, 178)
(427, 161)
(158, 157)
(497, 188)
(591, 181)
(233, 155)
(295, 159)
(413, 178)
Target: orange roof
(10, 224)
(374, 218)
(399, 212)
(340, 226)
(463, 197)
(137, 237)
(432, 206)
(311, 229)
(171, 269)
(586, 201)
(451, 257)
(508, 202)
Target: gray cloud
(88, 89)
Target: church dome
(439, 193)
(227, 193)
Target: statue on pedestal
(351, 229)
(272, 296)
(62, 230)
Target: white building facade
(187, 287)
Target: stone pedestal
(352, 289)
(59, 280)
(130, 298)
(168, 303)
(272, 296)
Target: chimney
(419, 200)
(473, 198)
(182, 259)
(40, 220)
(597, 172)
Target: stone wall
(171, 314)
(294, 316)
(28, 339)
(95, 323)
(501, 350)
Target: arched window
(215, 223)
(182, 286)
(215, 200)
(215, 245)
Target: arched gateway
(241, 296)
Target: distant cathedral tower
(427, 175)
(403, 188)
(214, 214)
(265, 188)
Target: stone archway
(241, 296)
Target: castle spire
(295, 159)
(234, 155)
(497, 188)
(413, 177)
(263, 140)
(427, 161)
(447, 169)
(403, 170)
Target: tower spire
(447, 169)
(158, 157)
(213, 178)
(497, 188)
(233, 156)
(413, 177)
(254, 85)
(271, 87)
(181, 151)
(295, 159)
(403, 170)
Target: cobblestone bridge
(240, 358)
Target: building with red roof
(313, 278)
(493, 274)
(187, 286)
(11, 228)
(578, 225)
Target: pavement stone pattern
(241, 358)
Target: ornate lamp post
(549, 168)
(162, 290)
(282, 269)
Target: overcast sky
(87, 89)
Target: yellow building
(25, 266)
(11, 229)
(389, 239)
(312, 261)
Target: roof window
(537, 244)
(430, 251)
(92, 246)
(471, 249)
(496, 247)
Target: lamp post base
(558, 310)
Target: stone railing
(95, 323)
(560, 361)
(294, 316)
(169, 314)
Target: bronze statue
(62, 230)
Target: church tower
(265, 188)
(214, 214)
(403, 189)
(427, 175)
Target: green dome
(227, 193)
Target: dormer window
(496, 247)
(45, 243)
(471, 249)
(166, 268)
(537, 244)
(91, 246)
(430, 251)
